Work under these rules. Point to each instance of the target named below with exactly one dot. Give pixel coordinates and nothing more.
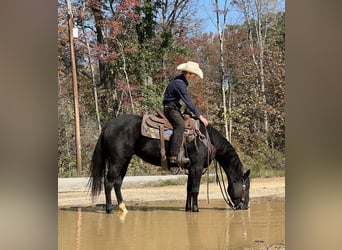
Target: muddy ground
(73, 191)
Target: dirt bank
(72, 192)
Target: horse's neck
(231, 165)
(221, 144)
(226, 154)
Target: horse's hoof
(122, 216)
(187, 209)
(109, 209)
(195, 209)
(123, 208)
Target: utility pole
(75, 87)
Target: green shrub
(265, 162)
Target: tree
(257, 17)
(141, 44)
(119, 47)
(247, 106)
(224, 74)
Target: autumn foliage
(127, 52)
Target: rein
(224, 193)
(208, 161)
(223, 188)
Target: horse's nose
(239, 206)
(244, 207)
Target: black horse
(121, 138)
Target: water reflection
(166, 226)
(79, 228)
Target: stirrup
(173, 159)
(183, 160)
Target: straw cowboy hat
(191, 67)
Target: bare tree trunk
(223, 72)
(261, 38)
(103, 66)
(258, 11)
(230, 111)
(92, 74)
(126, 75)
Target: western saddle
(158, 127)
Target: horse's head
(239, 192)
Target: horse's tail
(97, 168)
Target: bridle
(244, 193)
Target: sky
(205, 12)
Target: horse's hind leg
(117, 187)
(110, 180)
(108, 184)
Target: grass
(264, 173)
(171, 182)
(268, 173)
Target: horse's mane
(225, 153)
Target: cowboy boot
(181, 159)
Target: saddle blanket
(153, 132)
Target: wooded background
(127, 51)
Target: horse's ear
(245, 176)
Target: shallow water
(165, 225)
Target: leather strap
(163, 160)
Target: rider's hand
(202, 119)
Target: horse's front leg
(194, 188)
(188, 194)
(195, 200)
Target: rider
(176, 91)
